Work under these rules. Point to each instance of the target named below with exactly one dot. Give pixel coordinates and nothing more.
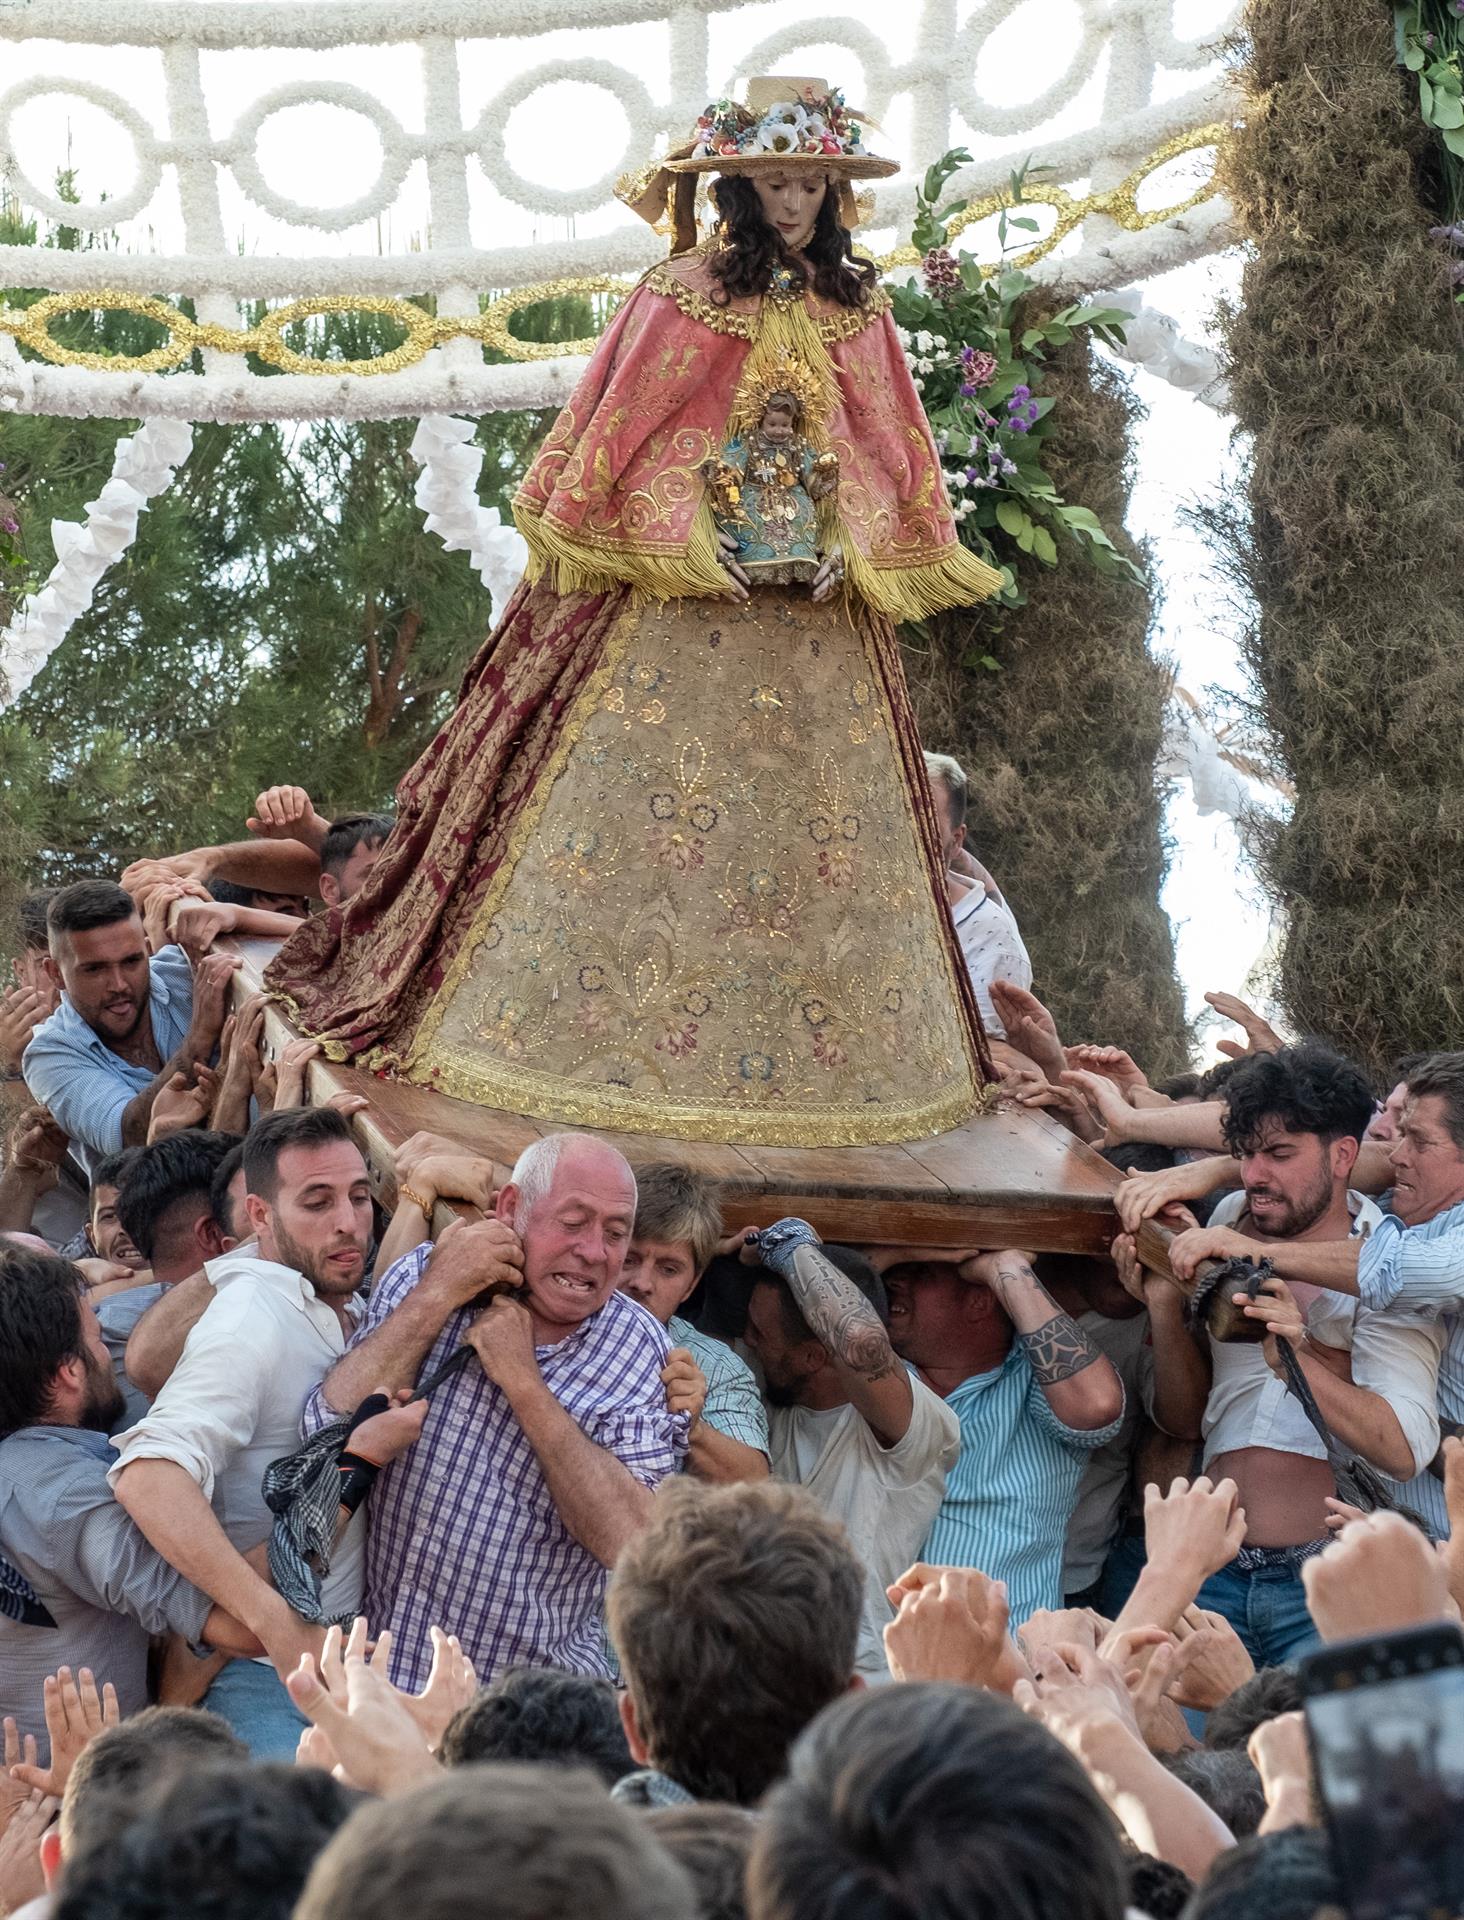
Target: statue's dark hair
(752, 249)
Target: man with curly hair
(1294, 1120)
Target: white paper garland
(143, 466)
(447, 492)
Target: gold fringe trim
(788, 332)
(542, 1096)
(573, 565)
(958, 579)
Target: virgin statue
(671, 865)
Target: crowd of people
(584, 1558)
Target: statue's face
(790, 203)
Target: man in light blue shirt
(125, 1025)
(1034, 1398)
(678, 1223)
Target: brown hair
(1442, 1074)
(672, 1203)
(735, 1614)
(519, 1842)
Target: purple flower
(1019, 394)
(9, 525)
(1452, 236)
(1428, 41)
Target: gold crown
(786, 374)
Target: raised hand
(295, 1057)
(21, 1877)
(952, 1625)
(1193, 1531)
(22, 1009)
(473, 1254)
(1029, 1026)
(1105, 1098)
(371, 1730)
(76, 1712)
(36, 1146)
(181, 1102)
(1260, 1035)
(1111, 1062)
(287, 813)
(1379, 1576)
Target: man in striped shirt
(539, 1459)
(1411, 1264)
(1034, 1398)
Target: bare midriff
(1283, 1494)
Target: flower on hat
(776, 136)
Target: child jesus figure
(766, 488)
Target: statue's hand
(738, 582)
(830, 575)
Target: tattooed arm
(1081, 1386)
(846, 1325)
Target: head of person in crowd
(1157, 1889)
(234, 1843)
(678, 1222)
(165, 1202)
(115, 1773)
(1272, 1876)
(1225, 1778)
(109, 1239)
(1181, 1088)
(543, 1714)
(941, 1801)
(571, 1201)
(711, 1844)
(735, 1615)
(1428, 1155)
(349, 851)
(308, 1198)
(54, 1367)
(226, 1199)
(1268, 1694)
(796, 1367)
(1295, 1120)
(229, 893)
(1388, 1118)
(98, 955)
(521, 1843)
(939, 1319)
(949, 790)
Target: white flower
(776, 138)
(814, 126)
(919, 384)
(924, 341)
(788, 113)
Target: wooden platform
(1007, 1179)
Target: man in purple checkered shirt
(536, 1465)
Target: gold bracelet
(424, 1207)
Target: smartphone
(1385, 1721)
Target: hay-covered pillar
(1061, 741)
(1347, 380)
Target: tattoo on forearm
(1057, 1350)
(839, 1316)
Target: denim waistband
(1258, 1559)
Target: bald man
(540, 1457)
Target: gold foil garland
(31, 325)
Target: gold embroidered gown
(671, 867)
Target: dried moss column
(1061, 745)
(1348, 378)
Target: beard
(1286, 1217)
(314, 1263)
(105, 1402)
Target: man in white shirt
(1294, 1119)
(986, 929)
(190, 1473)
(846, 1417)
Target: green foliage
(1061, 745)
(1347, 538)
(979, 370)
(282, 615)
(1429, 41)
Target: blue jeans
(252, 1698)
(1267, 1607)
